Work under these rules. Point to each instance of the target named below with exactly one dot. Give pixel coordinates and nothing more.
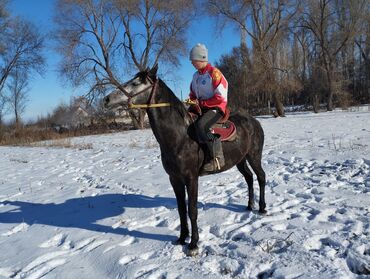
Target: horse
(182, 156)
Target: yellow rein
(133, 106)
(159, 105)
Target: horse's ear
(153, 71)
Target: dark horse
(182, 156)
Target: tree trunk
(137, 118)
(142, 114)
(278, 105)
(329, 104)
(17, 120)
(315, 103)
(244, 56)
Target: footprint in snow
(321, 215)
(55, 241)
(127, 259)
(42, 265)
(129, 240)
(82, 244)
(358, 259)
(145, 271)
(22, 227)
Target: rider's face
(199, 65)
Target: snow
(109, 211)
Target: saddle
(224, 128)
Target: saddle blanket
(226, 131)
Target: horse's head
(136, 90)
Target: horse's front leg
(179, 189)
(192, 189)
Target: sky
(46, 92)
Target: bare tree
(3, 28)
(362, 43)
(23, 50)
(3, 103)
(332, 33)
(20, 48)
(264, 22)
(17, 94)
(102, 40)
(4, 15)
(236, 66)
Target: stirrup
(210, 166)
(214, 163)
(218, 167)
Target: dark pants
(204, 123)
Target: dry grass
(26, 136)
(36, 136)
(31, 136)
(148, 145)
(63, 143)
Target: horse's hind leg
(255, 163)
(248, 175)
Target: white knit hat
(199, 52)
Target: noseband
(150, 103)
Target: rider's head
(199, 56)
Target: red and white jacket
(209, 87)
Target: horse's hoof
(179, 242)
(192, 252)
(262, 211)
(249, 208)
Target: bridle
(150, 103)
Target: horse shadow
(86, 212)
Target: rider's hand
(191, 102)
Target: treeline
(310, 53)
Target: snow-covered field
(108, 211)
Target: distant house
(78, 113)
(80, 116)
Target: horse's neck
(169, 124)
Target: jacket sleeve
(192, 95)
(216, 101)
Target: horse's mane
(173, 100)
(167, 94)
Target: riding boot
(217, 160)
(219, 154)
